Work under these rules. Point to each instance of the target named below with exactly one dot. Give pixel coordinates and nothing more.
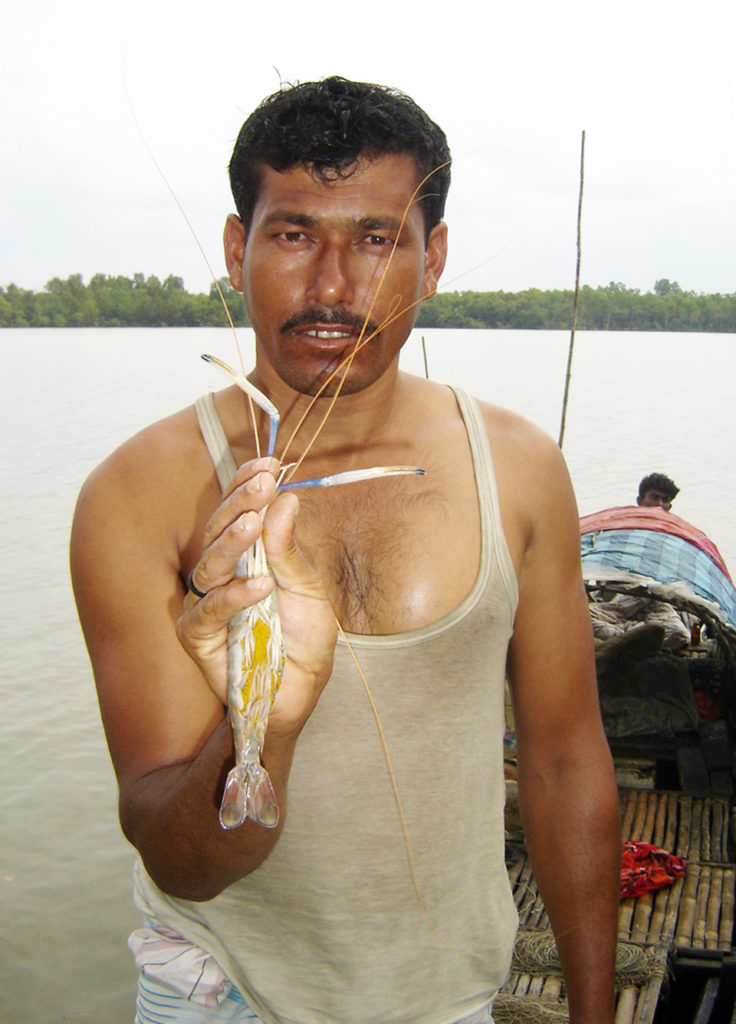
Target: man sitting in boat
(657, 491)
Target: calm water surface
(639, 403)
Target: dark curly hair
(327, 126)
(659, 482)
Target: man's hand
(251, 507)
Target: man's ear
(435, 255)
(234, 242)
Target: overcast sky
(652, 83)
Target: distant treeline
(118, 302)
(147, 302)
(613, 308)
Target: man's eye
(291, 236)
(379, 240)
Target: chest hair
(366, 545)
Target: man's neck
(359, 420)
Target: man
(657, 491)
(381, 896)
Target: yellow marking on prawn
(261, 636)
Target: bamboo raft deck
(695, 916)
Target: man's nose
(331, 282)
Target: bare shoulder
(511, 435)
(534, 486)
(155, 478)
(151, 457)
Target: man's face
(311, 270)
(655, 499)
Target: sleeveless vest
(330, 929)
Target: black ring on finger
(193, 587)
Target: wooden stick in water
(576, 298)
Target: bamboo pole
(725, 932)
(672, 912)
(713, 909)
(649, 997)
(683, 835)
(701, 903)
(514, 869)
(642, 915)
(536, 985)
(650, 819)
(577, 295)
(725, 832)
(686, 917)
(628, 815)
(661, 819)
(536, 915)
(625, 1006)
(716, 831)
(637, 829)
(669, 836)
(656, 922)
(705, 849)
(552, 989)
(625, 914)
(523, 981)
(696, 836)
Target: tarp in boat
(659, 545)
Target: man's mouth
(329, 335)
(329, 325)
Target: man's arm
(134, 539)
(567, 788)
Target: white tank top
(330, 928)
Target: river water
(638, 403)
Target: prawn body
(256, 656)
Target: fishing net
(536, 953)
(508, 1009)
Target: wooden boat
(664, 611)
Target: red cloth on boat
(636, 517)
(645, 867)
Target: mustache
(331, 318)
